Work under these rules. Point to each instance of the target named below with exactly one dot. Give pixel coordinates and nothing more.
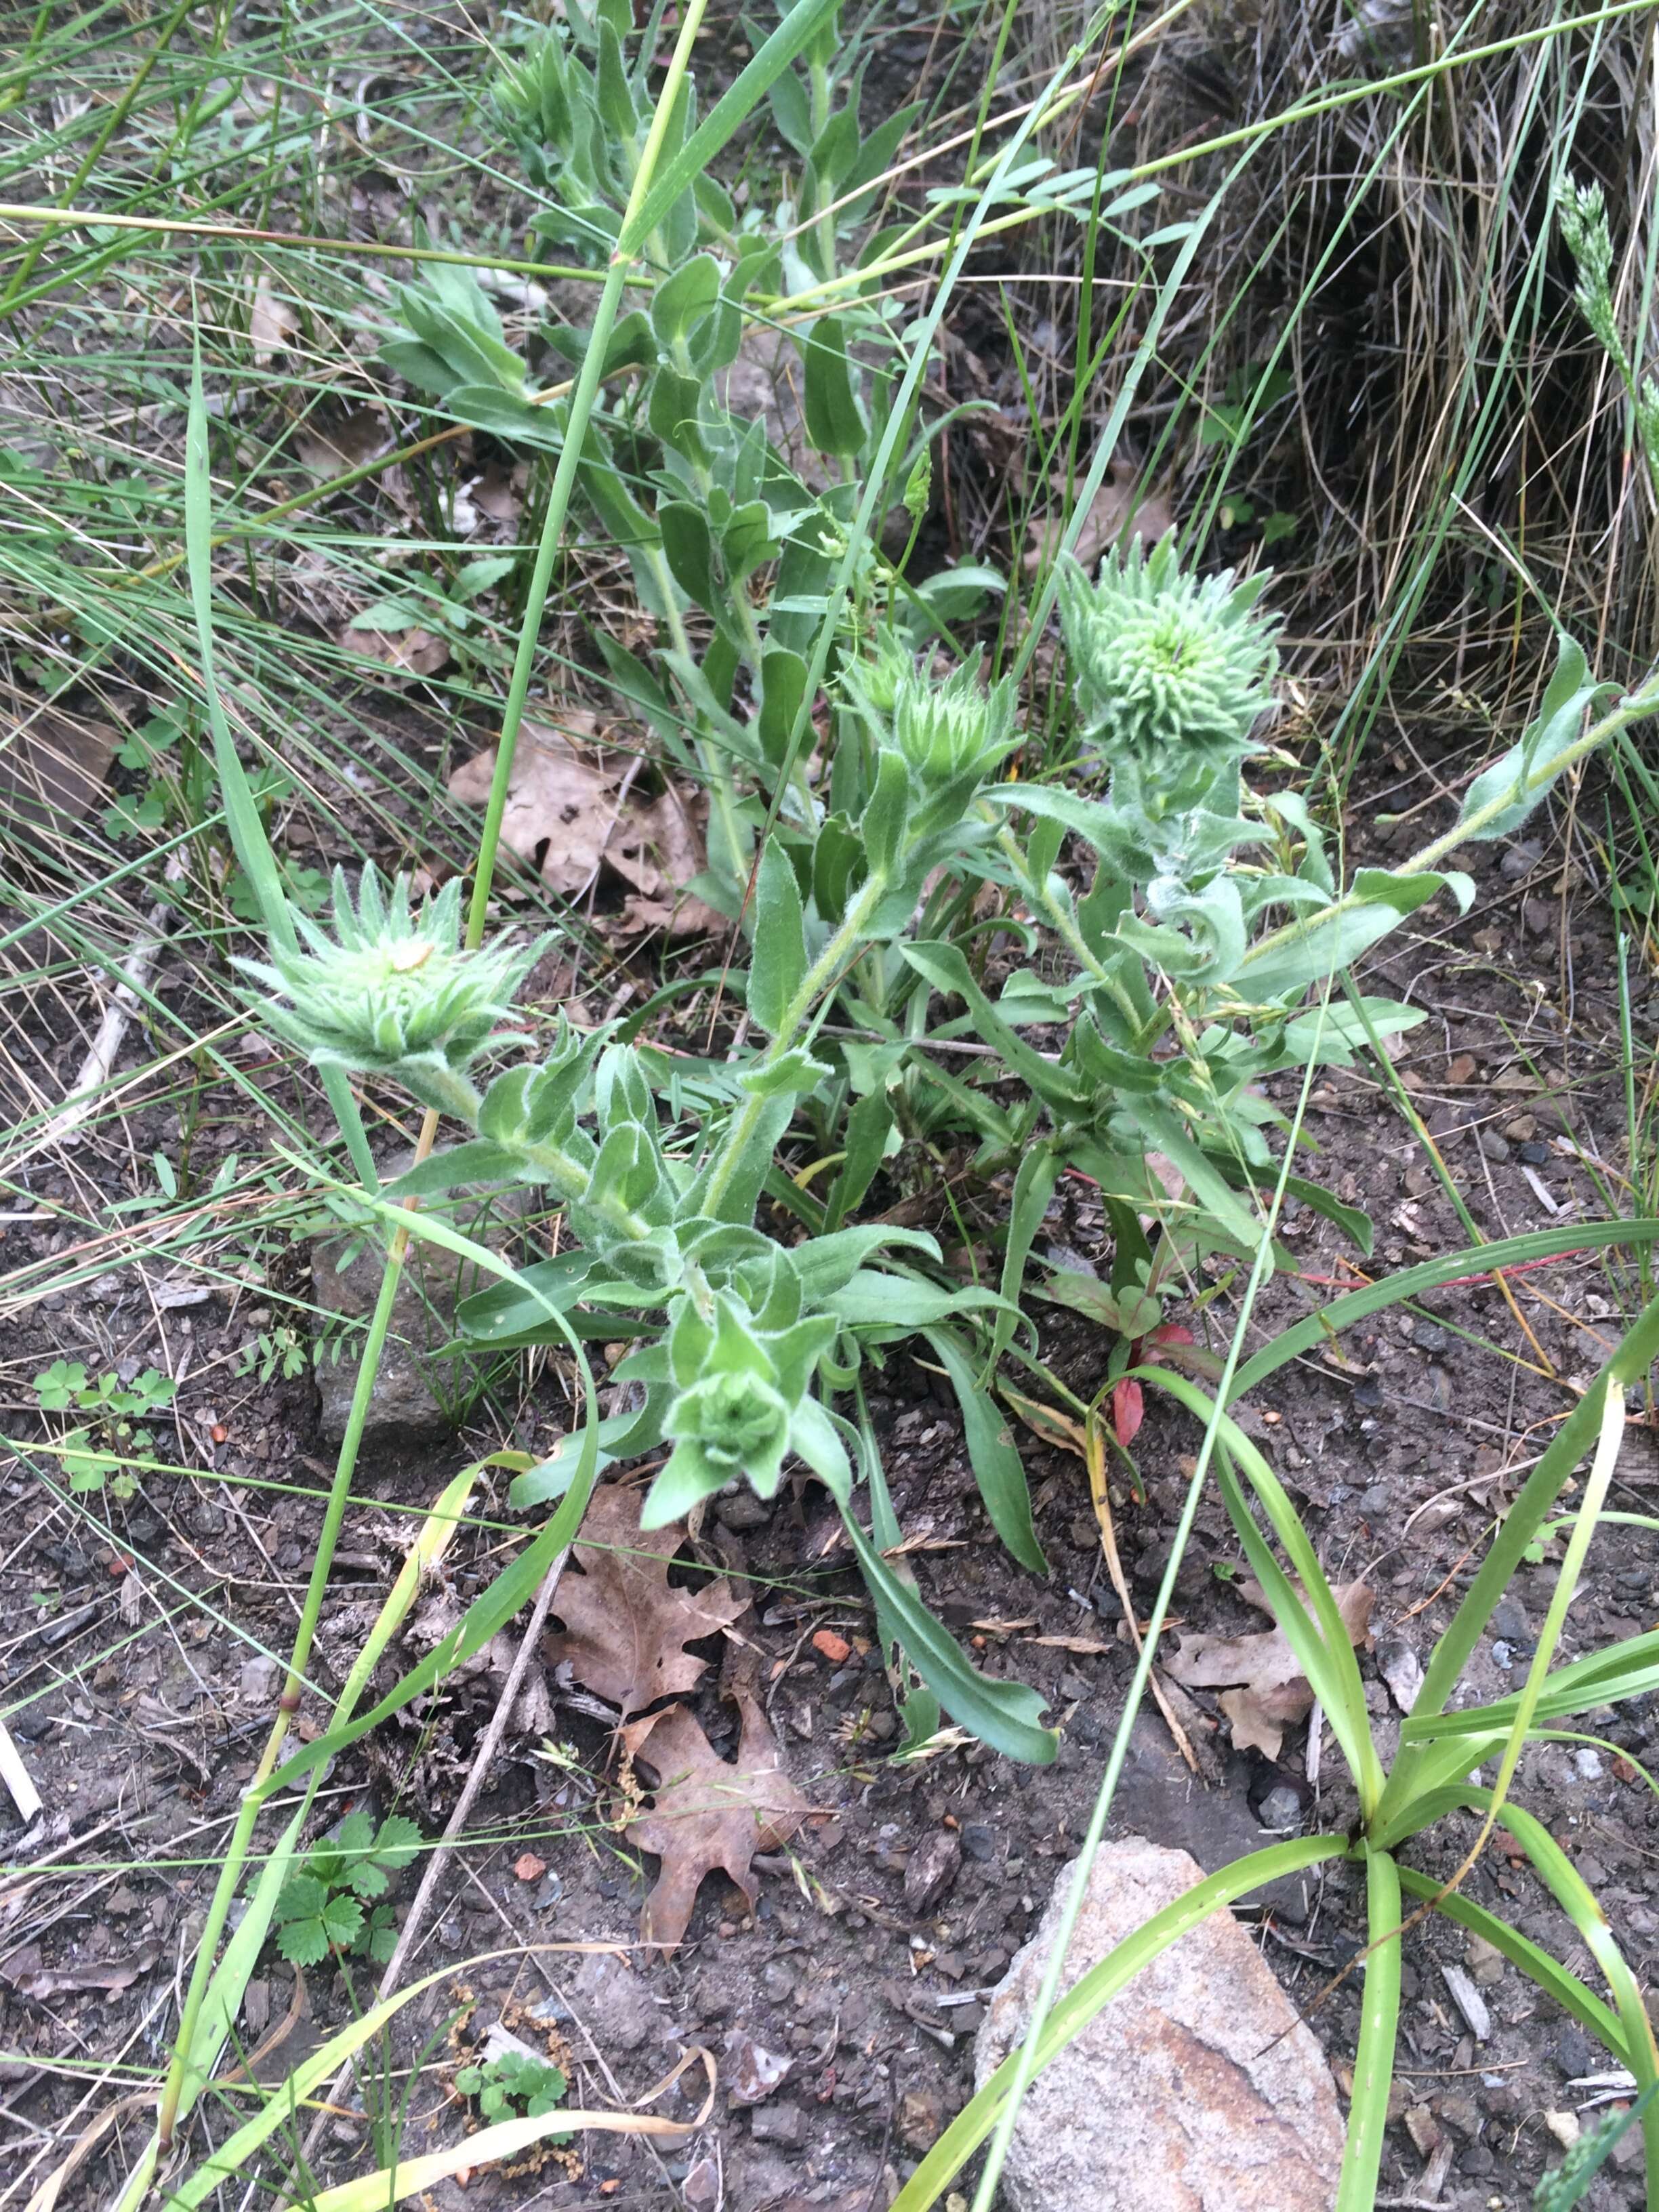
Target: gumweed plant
(866, 830)
(748, 1350)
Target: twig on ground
(483, 1759)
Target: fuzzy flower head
(952, 731)
(1171, 669)
(393, 992)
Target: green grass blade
(1379, 2027)
(1474, 1261)
(247, 831)
(728, 115)
(1320, 1642)
(1600, 1407)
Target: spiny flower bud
(393, 992)
(951, 731)
(1171, 671)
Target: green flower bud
(876, 683)
(1171, 671)
(952, 731)
(739, 1425)
(392, 993)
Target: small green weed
(1565, 2186)
(321, 1908)
(92, 1448)
(515, 2085)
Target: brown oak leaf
(573, 808)
(1272, 1692)
(625, 1629)
(708, 1813)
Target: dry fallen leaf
(415, 650)
(1118, 499)
(27, 1973)
(333, 442)
(271, 322)
(625, 1629)
(52, 766)
(707, 1814)
(1272, 1692)
(569, 814)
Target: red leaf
(1128, 1410)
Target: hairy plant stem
(588, 385)
(841, 948)
(1065, 926)
(1639, 703)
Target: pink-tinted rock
(1196, 2089)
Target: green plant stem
(289, 1703)
(843, 947)
(623, 262)
(1642, 702)
(1379, 2023)
(1065, 928)
(70, 218)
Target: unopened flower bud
(393, 992)
(1171, 670)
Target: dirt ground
(138, 1700)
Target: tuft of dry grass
(1382, 347)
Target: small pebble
(1589, 1764)
(1535, 1155)
(978, 1841)
(1280, 1810)
(1509, 1620)
(1493, 1145)
(1520, 860)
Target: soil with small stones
(865, 1969)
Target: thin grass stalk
(118, 112)
(1029, 2057)
(558, 505)
(622, 261)
(253, 1804)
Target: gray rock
(1280, 1811)
(783, 2124)
(1509, 1620)
(421, 1390)
(1196, 2089)
(612, 2003)
(743, 1509)
(1520, 860)
(1158, 1797)
(261, 1678)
